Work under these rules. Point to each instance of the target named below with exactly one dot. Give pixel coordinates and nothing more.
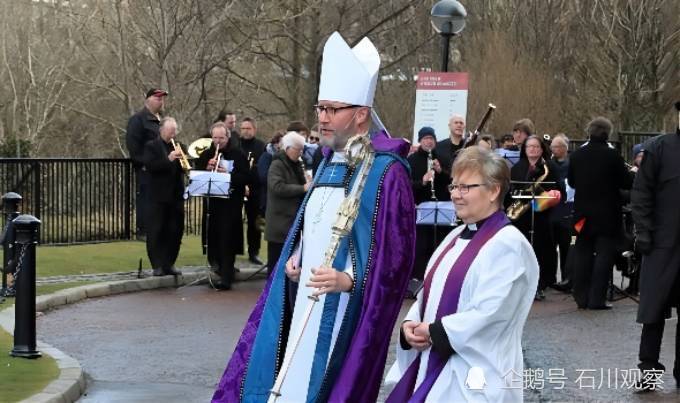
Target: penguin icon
(475, 379)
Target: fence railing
(80, 200)
(625, 143)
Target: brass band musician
(224, 226)
(429, 181)
(535, 166)
(166, 213)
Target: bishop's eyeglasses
(330, 110)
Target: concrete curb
(71, 384)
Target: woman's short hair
(492, 167)
(292, 139)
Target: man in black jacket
(598, 174)
(224, 228)
(654, 203)
(422, 182)
(252, 148)
(143, 127)
(448, 148)
(166, 208)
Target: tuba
(519, 206)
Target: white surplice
(486, 331)
(320, 215)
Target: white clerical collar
(472, 226)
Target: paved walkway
(172, 345)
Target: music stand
(435, 213)
(208, 184)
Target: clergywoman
(479, 285)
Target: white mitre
(349, 75)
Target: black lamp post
(448, 19)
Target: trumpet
(217, 158)
(183, 161)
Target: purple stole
(403, 390)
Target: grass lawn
(21, 378)
(113, 257)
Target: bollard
(10, 202)
(26, 229)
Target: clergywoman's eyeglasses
(463, 188)
(331, 110)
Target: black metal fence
(625, 143)
(80, 200)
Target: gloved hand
(643, 242)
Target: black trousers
(165, 227)
(142, 201)
(224, 261)
(253, 232)
(650, 347)
(273, 254)
(561, 232)
(594, 257)
(543, 245)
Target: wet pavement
(172, 345)
(163, 345)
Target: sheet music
(207, 183)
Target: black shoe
(222, 286)
(158, 272)
(540, 295)
(563, 286)
(604, 307)
(172, 272)
(255, 259)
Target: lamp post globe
(448, 19)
